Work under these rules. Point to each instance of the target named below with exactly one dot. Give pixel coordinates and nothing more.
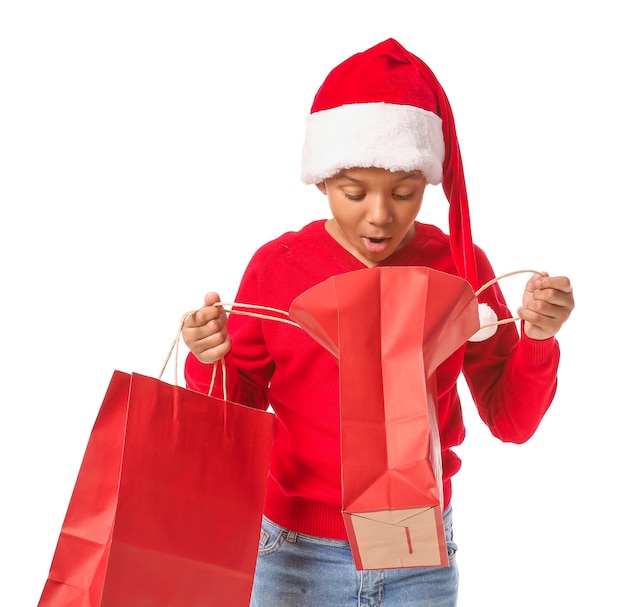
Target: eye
(354, 197)
(403, 196)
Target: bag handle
(269, 313)
(287, 320)
(175, 347)
(493, 281)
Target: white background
(147, 149)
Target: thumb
(204, 314)
(211, 298)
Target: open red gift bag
(389, 328)
(166, 510)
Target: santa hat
(385, 108)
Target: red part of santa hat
(385, 108)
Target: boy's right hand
(205, 333)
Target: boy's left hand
(548, 302)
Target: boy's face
(374, 210)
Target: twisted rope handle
(282, 316)
(504, 321)
(232, 310)
(175, 347)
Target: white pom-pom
(486, 316)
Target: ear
(321, 186)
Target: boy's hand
(204, 331)
(548, 302)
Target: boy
(380, 131)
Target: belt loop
(292, 536)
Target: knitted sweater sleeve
(512, 379)
(513, 396)
(224, 381)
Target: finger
(211, 298)
(553, 297)
(544, 315)
(561, 301)
(538, 310)
(539, 326)
(535, 282)
(211, 349)
(548, 303)
(205, 314)
(558, 283)
(211, 314)
(204, 343)
(191, 321)
(201, 317)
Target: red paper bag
(390, 327)
(167, 507)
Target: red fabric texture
(383, 73)
(512, 380)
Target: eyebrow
(400, 179)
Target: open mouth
(375, 245)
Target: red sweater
(512, 380)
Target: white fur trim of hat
(384, 135)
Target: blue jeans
(297, 570)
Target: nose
(379, 210)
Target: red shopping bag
(167, 507)
(390, 327)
